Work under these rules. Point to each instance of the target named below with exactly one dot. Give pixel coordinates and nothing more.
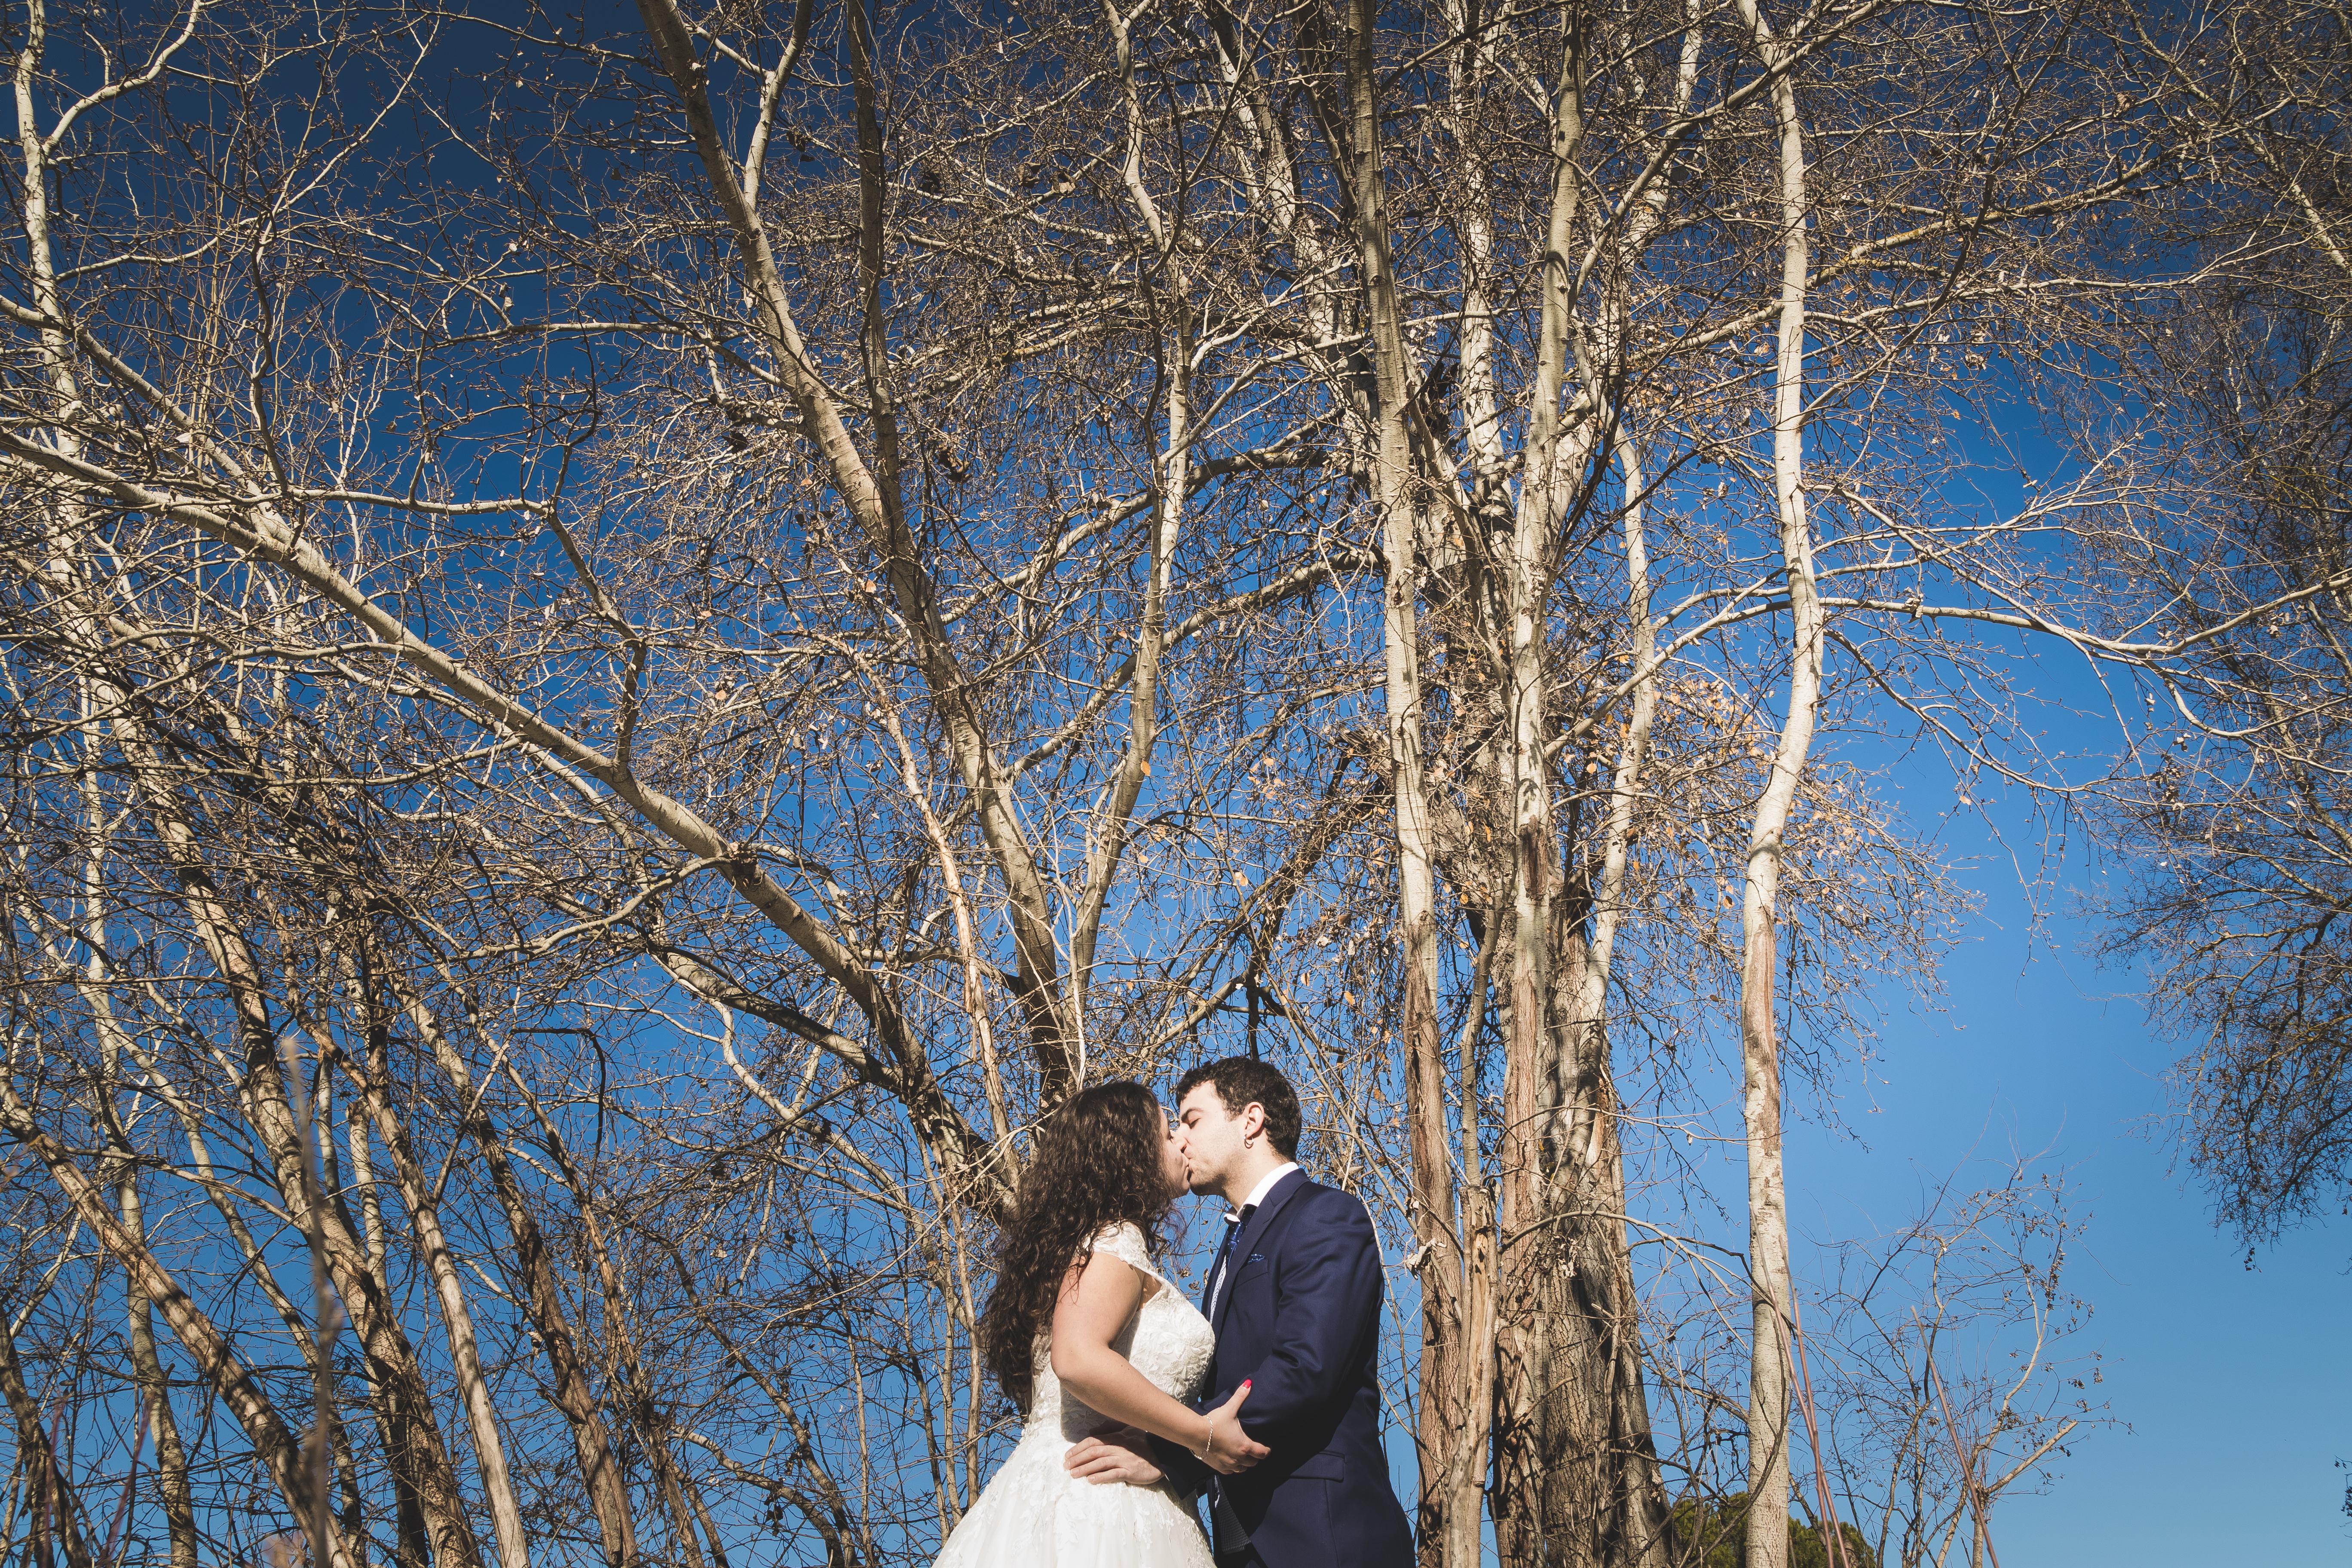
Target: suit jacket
(1299, 1317)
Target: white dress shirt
(1265, 1185)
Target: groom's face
(1211, 1137)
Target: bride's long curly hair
(1097, 1162)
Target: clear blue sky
(2232, 1387)
(2229, 1388)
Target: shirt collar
(1265, 1186)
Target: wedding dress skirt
(1034, 1514)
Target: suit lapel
(1284, 1191)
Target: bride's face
(1172, 1161)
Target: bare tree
(635, 644)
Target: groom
(1295, 1298)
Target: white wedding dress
(1035, 1514)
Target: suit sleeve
(1188, 1475)
(1327, 1305)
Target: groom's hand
(1120, 1457)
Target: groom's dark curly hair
(1097, 1162)
(1244, 1081)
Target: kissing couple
(1137, 1400)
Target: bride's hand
(1122, 1458)
(1228, 1449)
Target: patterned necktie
(1234, 1225)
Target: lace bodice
(1167, 1340)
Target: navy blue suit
(1299, 1318)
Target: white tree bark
(464, 1354)
(1442, 1416)
(1768, 1216)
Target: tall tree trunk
(411, 1549)
(1443, 1414)
(1522, 570)
(1579, 1453)
(628, 1369)
(465, 1355)
(156, 1391)
(1768, 1220)
(424, 1207)
(1633, 1503)
(532, 1271)
(207, 1349)
(171, 1483)
(87, 622)
(418, 1450)
(1560, 1342)
(65, 556)
(56, 1512)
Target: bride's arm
(1095, 1304)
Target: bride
(1086, 1336)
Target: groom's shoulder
(1329, 1205)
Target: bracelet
(1208, 1444)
